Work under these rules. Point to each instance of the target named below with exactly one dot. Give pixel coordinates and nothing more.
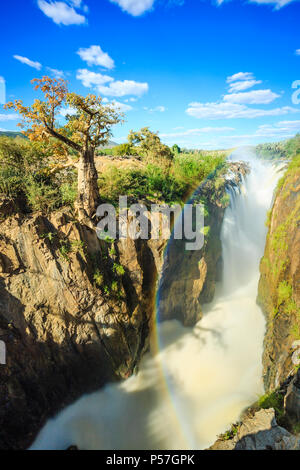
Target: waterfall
(202, 378)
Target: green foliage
(206, 231)
(268, 219)
(158, 182)
(41, 196)
(98, 278)
(148, 145)
(78, 246)
(71, 246)
(295, 331)
(118, 269)
(123, 150)
(12, 182)
(68, 193)
(272, 400)
(231, 433)
(115, 286)
(103, 151)
(296, 428)
(284, 292)
(176, 149)
(49, 236)
(26, 173)
(225, 200)
(286, 149)
(65, 250)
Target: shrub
(98, 278)
(272, 400)
(118, 269)
(41, 197)
(68, 193)
(284, 292)
(123, 150)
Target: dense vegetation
(29, 172)
(286, 149)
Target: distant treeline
(287, 149)
(11, 134)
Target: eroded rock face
(260, 432)
(279, 286)
(64, 336)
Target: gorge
(196, 381)
(183, 333)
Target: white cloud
(31, 63)
(234, 105)
(243, 85)
(123, 88)
(291, 125)
(57, 73)
(277, 3)
(283, 129)
(272, 132)
(225, 110)
(134, 7)
(158, 109)
(196, 132)
(298, 52)
(130, 99)
(9, 117)
(138, 7)
(242, 81)
(240, 76)
(67, 111)
(61, 12)
(108, 86)
(90, 79)
(76, 3)
(252, 97)
(121, 106)
(94, 55)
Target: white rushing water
(202, 378)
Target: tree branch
(62, 138)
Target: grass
(157, 182)
(231, 433)
(274, 400)
(26, 171)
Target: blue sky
(204, 74)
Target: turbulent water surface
(202, 378)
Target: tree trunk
(88, 191)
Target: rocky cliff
(76, 312)
(279, 286)
(70, 322)
(258, 432)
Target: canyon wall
(279, 286)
